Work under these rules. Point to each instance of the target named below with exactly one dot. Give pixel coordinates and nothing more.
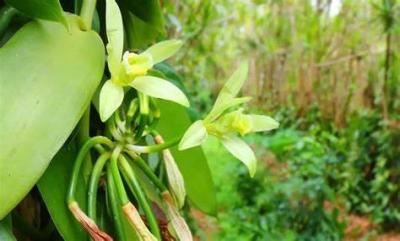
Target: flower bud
(179, 224)
(88, 224)
(137, 223)
(175, 178)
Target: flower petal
(234, 84)
(217, 110)
(195, 135)
(263, 123)
(163, 50)
(238, 148)
(159, 88)
(115, 36)
(111, 97)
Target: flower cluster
(132, 69)
(226, 124)
(120, 154)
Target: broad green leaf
(6, 233)
(242, 151)
(111, 97)
(148, 11)
(159, 88)
(7, 13)
(42, 9)
(139, 34)
(47, 78)
(163, 50)
(192, 163)
(53, 187)
(263, 123)
(115, 36)
(195, 135)
(230, 89)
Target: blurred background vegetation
(329, 71)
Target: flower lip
(137, 64)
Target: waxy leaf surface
(42, 9)
(192, 162)
(53, 187)
(47, 78)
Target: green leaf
(115, 36)
(42, 9)
(163, 50)
(47, 78)
(159, 88)
(6, 233)
(148, 11)
(111, 97)
(192, 162)
(53, 187)
(139, 33)
(263, 123)
(242, 151)
(195, 135)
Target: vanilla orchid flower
(228, 125)
(131, 69)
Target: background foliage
(328, 70)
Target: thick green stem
(83, 136)
(135, 188)
(117, 177)
(153, 148)
(147, 170)
(94, 183)
(6, 15)
(115, 204)
(87, 12)
(89, 144)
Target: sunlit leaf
(61, 69)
